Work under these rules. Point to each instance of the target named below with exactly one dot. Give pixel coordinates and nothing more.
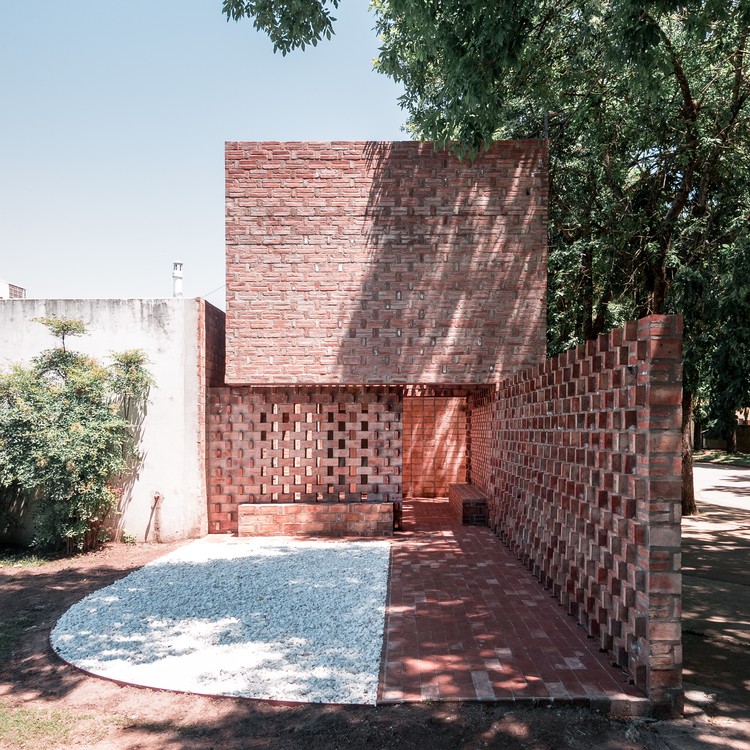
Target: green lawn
(722, 457)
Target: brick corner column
(658, 653)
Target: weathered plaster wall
(172, 442)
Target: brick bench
(315, 519)
(468, 504)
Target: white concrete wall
(167, 330)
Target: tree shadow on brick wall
(454, 289)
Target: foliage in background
(290, 24)
(649, 131)
(649, 134)
(66, 437)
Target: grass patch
(35, 728)
(11, 632)
(21, 558)
(722, 457)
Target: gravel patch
(260, 618)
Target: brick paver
(467, 621)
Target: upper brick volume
(384, 263)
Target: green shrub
(66, 437)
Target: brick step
(468, 504)
(315, 519)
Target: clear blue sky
(114, 117)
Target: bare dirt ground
(69, 709)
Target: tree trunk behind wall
(689, 507)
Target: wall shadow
(453, 288)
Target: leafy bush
(66, 436)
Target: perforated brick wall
(434, 434)
(286, 445)
(585, 487)
(384, 263)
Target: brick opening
(434, 444)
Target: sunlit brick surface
(585, 488)
(465, 621)
(316, 519)
(434, 444)
(368, 262)
(286, 445)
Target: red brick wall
(215, 328)
(384, 263)
(585, 486)
(211, 333)
(311, 519)
(434, 444)
(479, 437)
(301, 444)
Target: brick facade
(479, 438)
(363, 277)
(384, 263)
(584, 468)
(211, 355)
(301, 444)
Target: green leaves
(66, 437)
(290, 24)
(648, 103)
(62, 327)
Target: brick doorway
(434, 444)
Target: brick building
(379, 284)
(11, 291)
(385, 338)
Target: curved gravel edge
(268, 618)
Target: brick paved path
(466, 621)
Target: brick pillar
(660, 647)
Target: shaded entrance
(434, 444)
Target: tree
(66, 437)
(647, 110)
(290, 24)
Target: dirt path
(65, 708)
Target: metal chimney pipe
(177, 279)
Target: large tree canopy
(649, 131)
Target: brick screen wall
(301, 444)
(384, 263)
(585, 487)
(434, 444)
(479, 438)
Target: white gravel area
(269, 618)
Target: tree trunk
(732, 440)
(689, 507)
